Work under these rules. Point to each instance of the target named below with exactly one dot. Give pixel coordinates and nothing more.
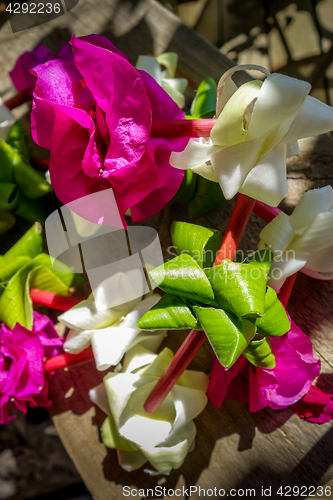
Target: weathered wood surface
(234, 448)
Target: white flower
(303, 240)
(110, 332)
(6, 120)
(164, 437)
(174, 87)
(257, 127)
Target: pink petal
(316, 406)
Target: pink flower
(282, 386)
(95, 115)
(21, 76)
(316, 406)
(22, 352)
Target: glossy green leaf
(32, 183)
(7, 157)
(204, 103)
(17, 140)
(184, 277)
(111, 437)
(9, 196)
(170, 313)
(31, 244)
(262, 259)
(66, 274)
(10, 268)
(15, 302)
(198, 241)
(31, 210)
(239, 288)
(259, 353)
(208, 195)
(274, 322)
(7, 221)
(227, 334)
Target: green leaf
(198, 241)
(274, 322)
(31, 244)
(43, 278)
(111, 437)
(262, 259)
(7, 221)
(187, 188)
(259, 353)
(33, 183)
(170, 313)
(184, 277)
(7, 157)
(208, 196)
(204, 103)
(66, 275)
(239, 288)
(227, 334)
(9, 196)
(31, 210)
(10, 268)
(15, 302)
(17, 140)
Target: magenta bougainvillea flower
(316, 406)
(282, 386)
(22, 379)
(21, 76)
(95, 114)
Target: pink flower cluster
(22, 379)
(288, 384)
(94, 113)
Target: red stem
(41, 162)
(195, 339)
(53, 300)
(182, 128)
(286, 289)
(18, 99)
(65, 360)
(265, 212)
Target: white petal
(188, 404)
(278, 234)
(98, 396)
(289, 264)
(207, 171)
(194, 380)
(316, 275)
(292, 148)
(6, 116)
(317, 236)
(137, 357)
(149, 340)
(110, 344)
(195, 154)
(231, 126)
(175, 95)
(267, 181)
(170, 61)
(225, 90)
(314, 119)
(150, 65)
(321, 261)
(173, 453)
(179, 84)
(233, 164)
(84, 316)
(310, 205)
(131, 460)
(77, 341)
(279, 98)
